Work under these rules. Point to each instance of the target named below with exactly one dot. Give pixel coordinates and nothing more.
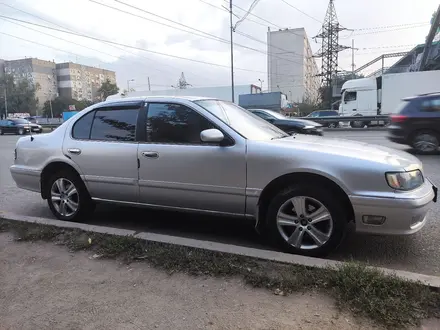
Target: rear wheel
(67, 196)
(425, 142)
(1, 131)
(307, 220)
(332, 125)
(21, 131)
(357, 124)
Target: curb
(429, 280)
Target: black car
(289, 125)
(326, 113)
(18, 126)
(417, 123)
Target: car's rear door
(178, 170)
(104, 146)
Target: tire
(357, 124)
(332, 125)
(1, 131)
(84, 204)
(20, 131)
(425, 142)
(314, 197)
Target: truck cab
(359, 97)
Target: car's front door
(103, 145)
(178, 170)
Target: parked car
(213, 157)
(14, 126)
(325, 113)
(289, 125)
(417, 123)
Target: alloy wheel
(426, 142)
(64, 197)
(304, 223)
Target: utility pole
(149, 86)
(232, 52)
(6, 103)
(352, 59)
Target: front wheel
(332, 125)
(67, 197)
(1, 131)
(425, 142)
(307, 220)
(21, 131)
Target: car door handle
(150, 154)
(74, 151)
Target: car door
(177, 170)
(11, 127)
(104, 146)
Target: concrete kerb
(432, 281)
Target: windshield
(20, 121)
(242, 121)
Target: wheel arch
(286, 180)
(52, 168)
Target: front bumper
(404, 215)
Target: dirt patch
(44, 286)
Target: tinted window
(174, 123)
(20, 121)
(114, 125)
(81, 129)
(328, 114)
(431, 105)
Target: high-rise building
(291, 66)
(41, 74)
(81, 82)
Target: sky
(377, 27)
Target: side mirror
(212, 135)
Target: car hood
(351, 149)
(297, 122)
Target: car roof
(421, 96)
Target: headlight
(405, 180)
(309, 127)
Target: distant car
(417, 123)
(289, 125)
(18, 126)
(326, 113)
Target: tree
(20, 95)
(107, 88)
(61, 104)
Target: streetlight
(128, 85)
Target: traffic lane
(418, 253)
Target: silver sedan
(210, 156)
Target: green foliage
(107, 88)
(20, 95)
(61, 104)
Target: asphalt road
(417, 253)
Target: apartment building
(80, 82)
(41, 73)
(291, 66)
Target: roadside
(46, 287)
(36, 272)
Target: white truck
(382, 95)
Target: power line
(390, 26)
(198, 32)
(123, 45)
(384, 31)
(252, 6)
(296, 8)
(116, 47)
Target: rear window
(402, 107)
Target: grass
(366, 292)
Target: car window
(82, 127)
(350, 96)
(328, 113)
(114, 125)
(431, 105)
(20, 121)
(262, 114)
(175, 123)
